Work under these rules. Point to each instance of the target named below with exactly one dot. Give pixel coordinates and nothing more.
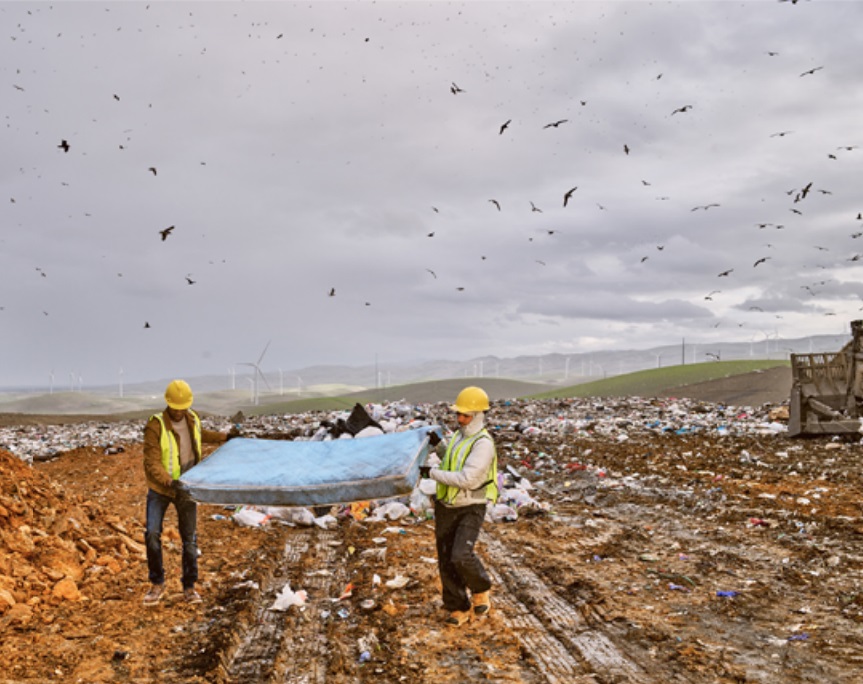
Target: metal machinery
(827, 390)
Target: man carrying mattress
(467, 478)
(172, 445)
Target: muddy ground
(659, 555)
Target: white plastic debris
(288, 597)
(297, 516)
(326, 522)
(398, 582)
(391, 510)
(250, 517)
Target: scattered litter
(248, 516)
(327, 522)
(398, 582)
(392, 510)
(287, 598)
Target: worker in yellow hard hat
(172, 445)
(466, 479)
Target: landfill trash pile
(637, 540)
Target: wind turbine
(258, 373)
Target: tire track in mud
(286, 646)
(553, 631)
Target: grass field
(652, 382)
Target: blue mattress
(283, 473)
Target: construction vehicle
(827, 390)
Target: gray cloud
(301, 147)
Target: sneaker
(191, 596)
(481, 603)
(152, 597)
(458, 617)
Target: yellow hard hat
(471, 400)
(179, 395)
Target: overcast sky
(329, 168)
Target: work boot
(191, 595)
(152, 597)
(458, 617)
(481, 603)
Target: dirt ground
(656, 556)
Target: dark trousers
(456, 532)
(187, 520)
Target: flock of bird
(567, 196)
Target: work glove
(434, 439)
(424, 471)
(179, 488)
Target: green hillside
(649, 383)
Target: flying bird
(533, 207)
(435, 210)
(152, 170)
(190, 281)
(760, 261)
(541, 263)
(805, 190)
(17, 87)
(705, 207)
(64, 145)
(555, 124)
(430, 234)
(495, 203)
(332, 292)
(626, 148)
(455, 90)
(165, 233)
(432, 272)
(568, 195)
(460, 289)
(725, 273)
(811, 71)
(504, 126)
(709, 295)
(146, 324)
(781, 134)
(681, 110)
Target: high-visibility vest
(454, 460)
(170, 448)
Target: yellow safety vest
(454, 460)
(170, 448)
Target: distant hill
(739, 383)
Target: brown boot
(458, 617)
(481, 603)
